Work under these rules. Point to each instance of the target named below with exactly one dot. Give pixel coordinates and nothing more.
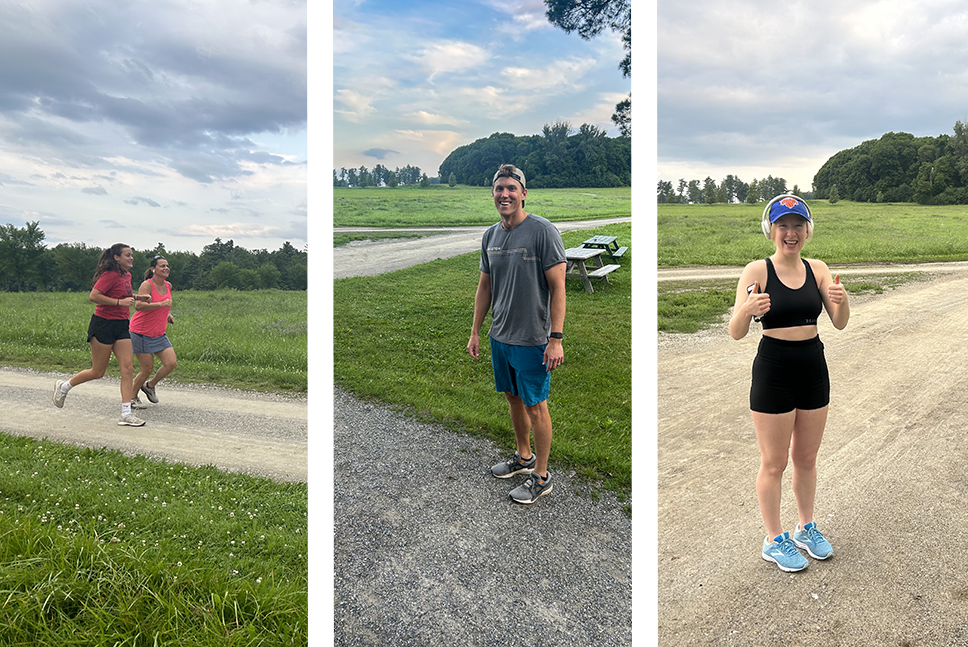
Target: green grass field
(252, 340)
(844, 233)
(97, 548)
(410, 349)
(442, 205)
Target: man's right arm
(482, 303)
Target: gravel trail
(254, 433)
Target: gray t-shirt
(517, 260)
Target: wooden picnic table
(576, 258)
(608, 245)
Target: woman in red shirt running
(148, 327)
(108, 330)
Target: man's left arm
(554, 354)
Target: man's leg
(541, 426)
(521, 421)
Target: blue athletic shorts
(142, 345)
(519, 370)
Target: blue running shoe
(813, 541)
(784, 554)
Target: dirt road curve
(258, 434)
(366, 258)
(891, 493)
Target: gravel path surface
(429, 550)
(261, 434)
(369, 258)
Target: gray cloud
(174, 86)
(379, 153)
(805, 82)
(95, 190)
(139, 200)
(111, 224)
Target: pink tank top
(154, 322)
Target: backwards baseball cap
(510, 170)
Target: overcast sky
(171, 121)
(412, 81)
(757, 88)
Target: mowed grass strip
(402, 338)
(845, 232)
(101, 549)
(251, 340)
(441, 205)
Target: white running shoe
(131, 420)
(59, 395)
(136, 403)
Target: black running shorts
(789, 375)
(107, 331)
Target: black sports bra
(789, 308)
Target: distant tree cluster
(899, 167)
(559, 157)
(28, 265)
(379, 176)
(730, 190)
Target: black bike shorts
(789, 375)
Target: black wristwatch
(556, 335)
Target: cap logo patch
(789, 203)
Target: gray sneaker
(530, 490)
(136, 403)
(59, 395)
(513, 465)
(150, 392)
(130, 420)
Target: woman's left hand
(836, 292)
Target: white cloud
(231, 230)
(431, 119)
(559, 76)
(358, 106)
(449, 56)
(526, 16)
(438, 141)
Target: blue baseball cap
(788, 204)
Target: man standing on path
(523, 280)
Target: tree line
(379, 176)
(899, 167)
(559, 157)
(28, 265)
(730, 190)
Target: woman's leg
(122, 350)
(807, 434)
(146, 364)
(168, 364)
(773, 433)
(100, 356)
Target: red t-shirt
(116, 286)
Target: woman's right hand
(126, 302)
(758, 303)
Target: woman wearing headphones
(790, 389)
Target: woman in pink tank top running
(148, 331)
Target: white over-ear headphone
(766, 212)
